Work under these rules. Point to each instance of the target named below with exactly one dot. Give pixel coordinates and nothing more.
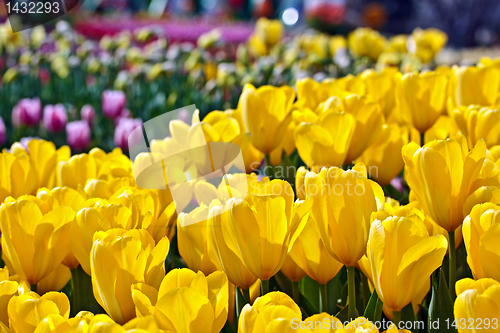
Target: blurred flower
(401, 269)
(28, 310)
(123, 129)
(3, 132)
(365, 42)
(426, 43)
(481, 230)
(474, 86)
(27, 112)
(208, 39)
(121, 258)
(78, 135)
(55, 117)
(441, 175)
(88, 114)
(10, 74)
(185, 301)
(113, 102)
(270, 32)
(421, 98)
(477, 302)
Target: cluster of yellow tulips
(126, 260)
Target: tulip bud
(124, 129)
(88, 114)
(365, 42)
(55, 117)
(78, 135)
(113, 102)
(27, 112)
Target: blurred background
(468, 23)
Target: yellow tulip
(380, 86)
(311, 93)
(326, 142)
(474, 86)
(397, 44)
(311, 255)
(426, 43)
(17, 176)
(185, 301)
(34, 243)
(192, 240)
(269, 31)
(481, 230)
(365, 42)
(261, 228)
(224, 256)
(369, 122)
(478, 123)
(401, 269)
(442, 174)
(273, 312)
(291, 270)
(383, 158)
(102, 323)
(119, 259)
(421, 98)
(55, 281)
(28, 310)
(342, 204)
(8, 289)
(266, 113)
(477, 307)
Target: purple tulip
(55, 117)
(27, 112)
(113, 102)
(3, 134)
(397, 183)
(88, 113)
(123, 129)
(78, 134)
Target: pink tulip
(113, 102)
(55, 117)
(3, 134)
(123, 129)
(88, 113)
(397, 183)
(27, 112)
(78, 134)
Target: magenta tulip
(55, 118)
(113, 102)
(3, 134)
(88, 113)
(123, 129)
(27, 112)
(78, 135)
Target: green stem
(351, 288)
(264, 287)
(396, 318)
(268, 166)
(82, 294)
(295, 291)
(453, 264)
(246, 294)
(323, 304)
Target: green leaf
(441, 306)
(373, 311)
(408, 316)
(343, 314)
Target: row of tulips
(62, 68)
